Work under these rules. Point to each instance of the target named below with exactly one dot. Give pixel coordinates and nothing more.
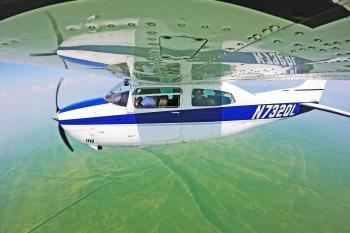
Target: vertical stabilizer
(311, 89)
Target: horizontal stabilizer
(326, 109)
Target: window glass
(120, 98)
(210, 97)
(119, 95)
(160, 97)
(157, 91)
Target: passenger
(221, 99)
(211, 101)
(173, 101)
(149, 102)
(163, 102)
(199, 99)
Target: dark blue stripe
(112, 49)
(84, 62)
(185, 116)
(84, 104)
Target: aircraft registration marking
(274, 111)
(274, 59)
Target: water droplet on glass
(299, 33)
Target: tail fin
(311, 89)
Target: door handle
(175, 113)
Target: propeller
(60, 128)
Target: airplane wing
(185, 40)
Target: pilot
(163, 102)
(149, 102)
(138, 102)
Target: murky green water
(259, 181)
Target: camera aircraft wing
(183, 41)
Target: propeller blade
(64, 138)
(65, 64)
(57, 89)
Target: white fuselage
(99, 123)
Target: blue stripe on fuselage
(84, 104)
(231, 113)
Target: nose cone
(71, 114)
(55, 117)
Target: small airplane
(148, 114)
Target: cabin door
(157, 115)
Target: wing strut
(326, 109)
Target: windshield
(119, 95)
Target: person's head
(198, 94)
(138, 101)
(163, 101)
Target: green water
(258, 181)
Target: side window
(164, 97)
(120, 98)
(210, 97)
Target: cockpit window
(119, 95)
(120, 98)
(164, 97)
(210, 97)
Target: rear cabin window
(210, 97)
(163, 97)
